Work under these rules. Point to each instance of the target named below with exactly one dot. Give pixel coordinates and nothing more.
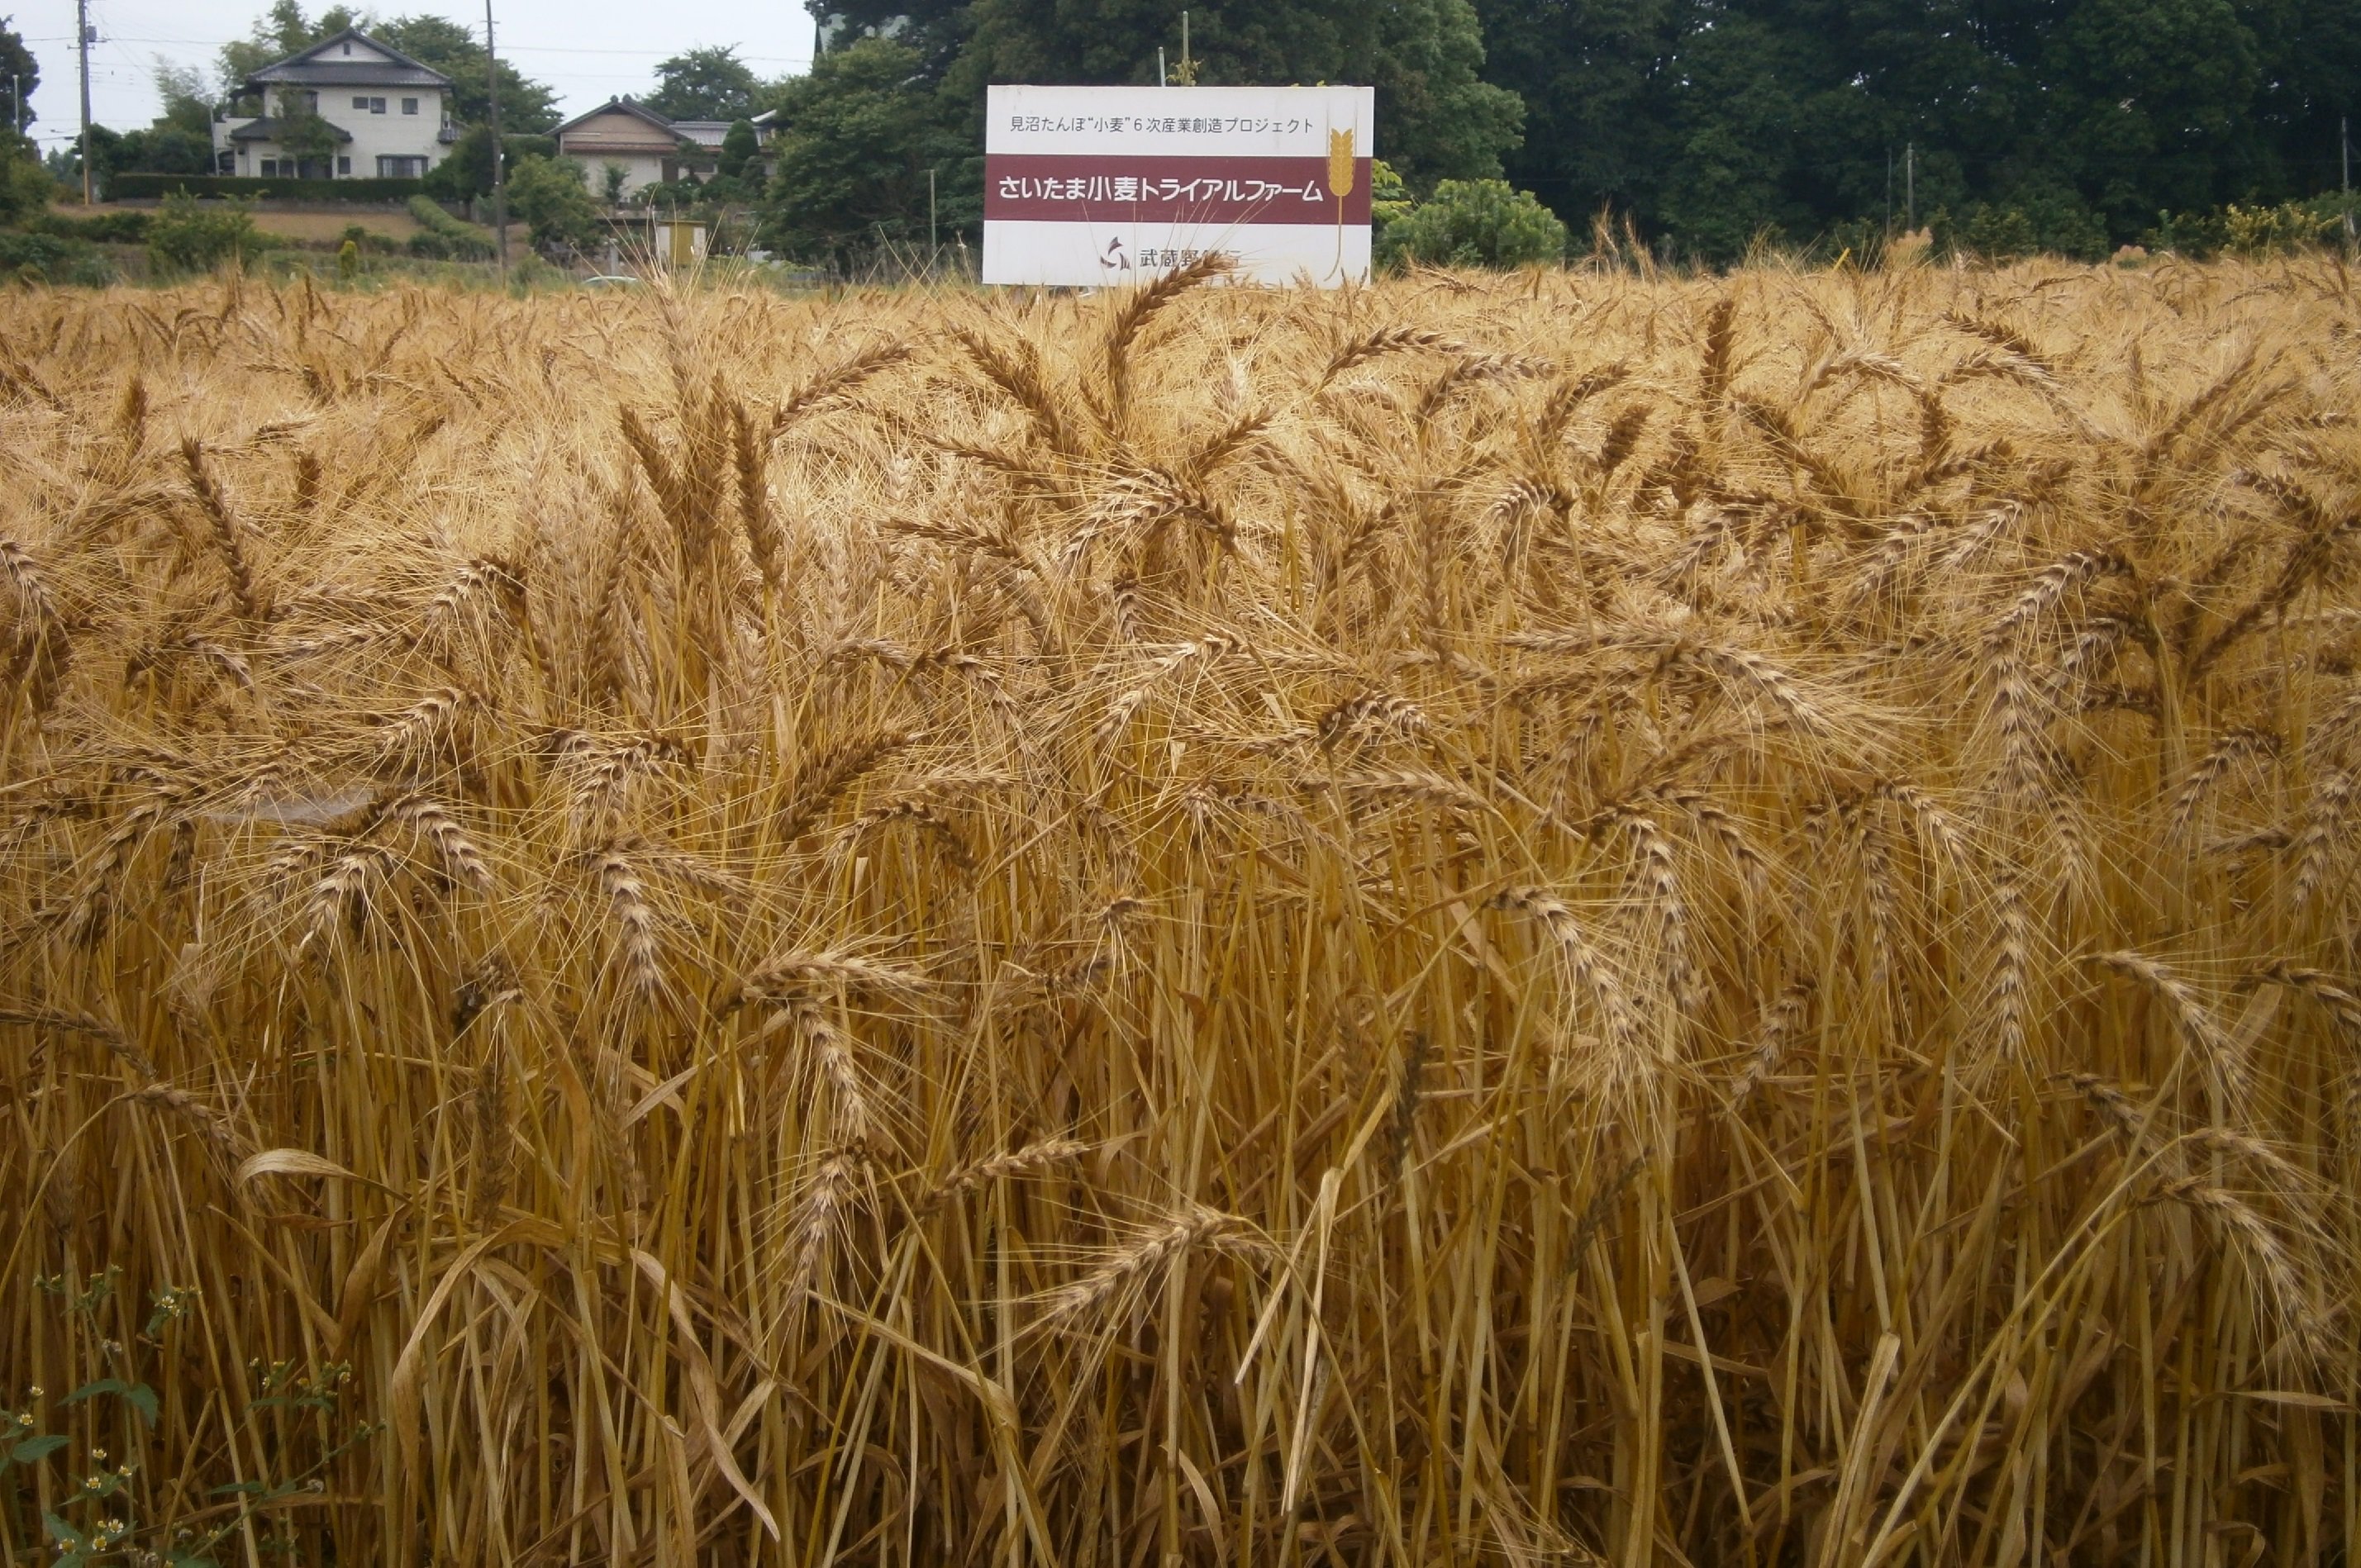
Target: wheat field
(1582, 916)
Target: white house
(650, 148)
(389, 116)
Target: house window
(343, 166)
(377, 105)
(360, 100)
(270, 169)
(392, 166)
(410, 105)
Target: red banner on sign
(1079, 187)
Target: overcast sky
(589, 50)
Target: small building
(648, 147)
(354, 109)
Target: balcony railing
(449, 133)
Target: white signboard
(1097, 186)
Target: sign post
(1103, 186)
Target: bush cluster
(142, 187)
(188, 235)
(1473, 223)
(443, 238)
(35, 257)
(103, 229)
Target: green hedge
(134, 186)
(444, 238)
(108, 228)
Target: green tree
(1475, 223)
(277, 33)
(188, 97)
(1598, 81)
(17, 61)
(704, 84)
(187, 235)
(740, 147)
(2154, 100)
(526, 105)
(1714, 120)
(26, 187)
(551, 196)
(160, 149)
(435, 42)
(1437, 119)
(309, 136)
(466, 174)
(862, 129)
(933, 30)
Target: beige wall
(617, 137)
(644, 170)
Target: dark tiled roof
(320, 67)
(267, 129)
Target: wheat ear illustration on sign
(1340, 181)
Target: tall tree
(704, 84)
(277, 33)
(17, 61)
(527, 108)
(435, 42)
(1712, 121)
(187, 95)
(932, 29)
(25, 187)
(862, 131)
(1437, 118)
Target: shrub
(25, 186)
(1861, 241)
(444, 238)
(553, 196)
(1475, 223)
(188, 236)
(368, 242)
(2237, 230)
(137, 187)
(2036, 220)
(54, 259)
(106, 228)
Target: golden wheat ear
(1209, 924)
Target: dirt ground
(315, 226)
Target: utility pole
(17, 99)
(499, 159)
(933, 248)
(1910, 181)
(1160, 65)
(81, 46)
